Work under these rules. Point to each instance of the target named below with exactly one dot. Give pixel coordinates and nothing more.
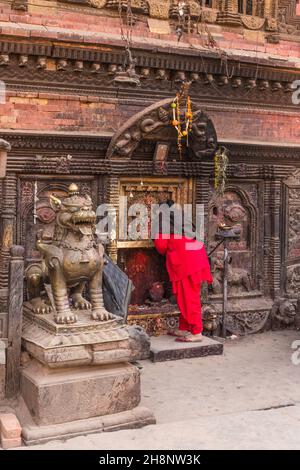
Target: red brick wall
(70, 113)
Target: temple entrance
(163, 166)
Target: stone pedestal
(165, 348)
(79, 378)
(61, 395)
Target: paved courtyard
(249, 398)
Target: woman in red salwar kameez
(188, 266)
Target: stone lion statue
(72, 262)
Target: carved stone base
(136, 418)
(79, 372)
(63, 395)
(85, 342)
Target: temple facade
(86, 88)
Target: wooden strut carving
(149, 122)
(15, 302)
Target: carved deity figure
(237, 277)
(203, 137)
(72, 262)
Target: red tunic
(188, 267)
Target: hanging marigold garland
(183, 127)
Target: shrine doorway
(152, 302)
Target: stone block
(165, 348)
(63, 395)
(10, 427)
(139, 343)
(136, 418)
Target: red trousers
(187, 293)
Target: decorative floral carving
(293, 280)
(252, 22)
(159, 9)
(209, 16)
(245, 323)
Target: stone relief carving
(252, 22)
(97, 3)
(284, 314)
(245, 323)
(203, 137)
(159, 9)
(211, 319)
(236, 209)
(292, 253)
(238, 278)
(288, 21)
(61, 164)
(293, 280)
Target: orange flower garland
(183, 128)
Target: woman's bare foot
(190, 338)
(178, 333)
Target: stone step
(165, 348)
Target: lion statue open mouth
(73, 262)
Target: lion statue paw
(101, 315)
